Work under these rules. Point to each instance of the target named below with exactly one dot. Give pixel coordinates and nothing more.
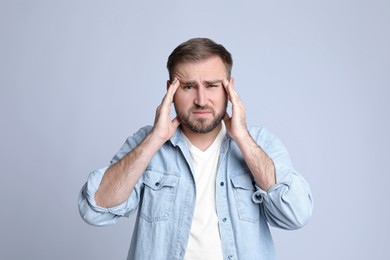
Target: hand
(236, 124)
(164, 128)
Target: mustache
(201, 108)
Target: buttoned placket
(186, 217)
(222, 183)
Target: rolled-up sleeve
(99, 216)
(288, 204)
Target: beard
(201, 125)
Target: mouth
(201, 112)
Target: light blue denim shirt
(165, 198)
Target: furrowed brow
(188, 82)
(212, 82)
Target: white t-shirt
(204, 241)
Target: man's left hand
(236, 123)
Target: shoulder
(258, 132)
(131, 142)
(263, 136)
(142, 132)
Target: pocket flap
(243, 181)
(158, 180)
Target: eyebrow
(212, 82)
(188, 82)
(193, 82)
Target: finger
(225, 84)
(168, 98)
(172, 89)
(175, 122)
(232, 93)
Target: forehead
(210, 68)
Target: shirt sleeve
(288, 204)
(99, 216)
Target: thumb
(175, 122)
(226, 119)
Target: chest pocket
(158, 195)
(243, 189)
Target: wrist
(156, 139)
(242, 136)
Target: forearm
(259, 163)
(121, 177)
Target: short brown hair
(198, 49)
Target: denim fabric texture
(164, 199)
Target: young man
(206, 186)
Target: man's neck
(199, 140)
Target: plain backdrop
(78, 77)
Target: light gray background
(78, 77)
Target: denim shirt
(164, 199)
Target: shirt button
(222, 183)
(157, 184)
(230, 257)
(224, 219)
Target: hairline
(194, 61)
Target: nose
(201, 97)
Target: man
(206, 186)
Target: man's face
(201, 100)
